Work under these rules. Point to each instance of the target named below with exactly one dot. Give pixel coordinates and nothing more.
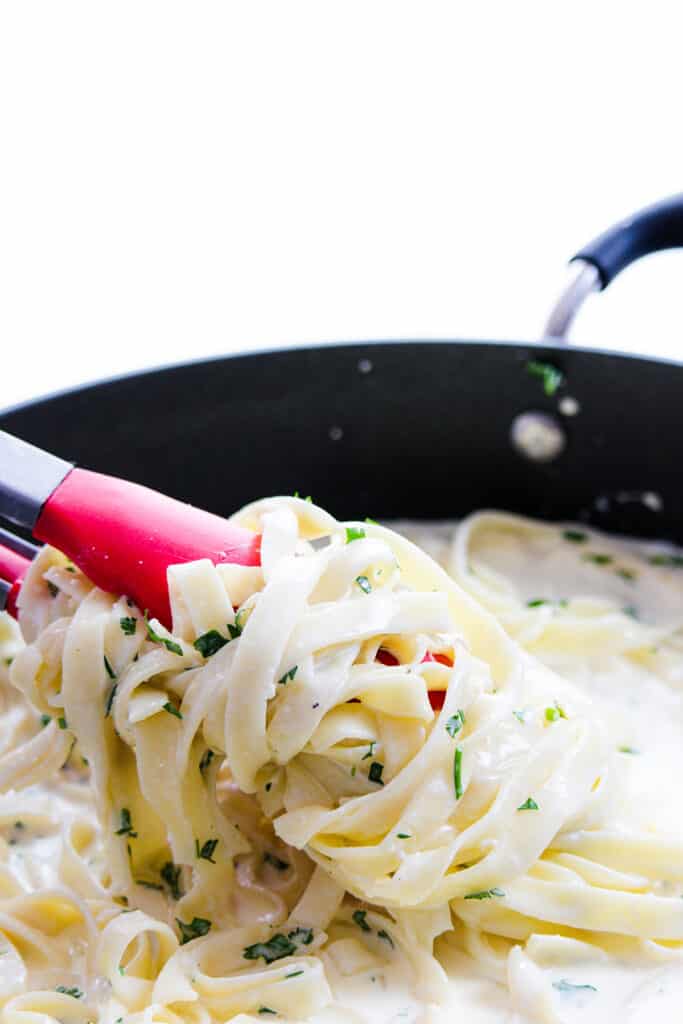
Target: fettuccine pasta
(352, 782)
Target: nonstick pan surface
(399, 429)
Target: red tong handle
(13, 568)
(124, 536)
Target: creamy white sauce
(640, 698)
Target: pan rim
(546, 347)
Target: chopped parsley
(170, 874)
(276, 862)
(457, 772)
(354, 533)
(364, 584)
(537, 602)
(128, 624)
(170, 645)
(455, 723)
(172, 709)
(110, 701)
(288, 676)
(528, 805)
(234, 630)
(597, 558)
(630, 610)
(382, 934)
(358, 917)
(549, 375)
(8, 661)
(206, 851)
(576, 536)
(207, 758)
(208, 643)
(626, 574)
(266, 1009)
(62, 723)
(485, 894)
(279, 946)
(126, 824)
(293, 974)
(74, 992)
(197, 926)
(53, 588)
(375, 773)
(672, 561)
(567, 986)
(370, 752)
(628, 750)
(554, 713)
(45, 720)
(403, 835)
(520, 716)
(268, 786)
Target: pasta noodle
(348, 764)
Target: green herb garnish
(486, 894)
(288, 676)
(279, 946)
(128, 624)
(672, 561)
(554, 713)
(170, 874)
(207, 758)
(208, 643)
(375, 773)
(403, 835)
(266, 1009)
(567, 986)
(528, 805)
(457, 772)
(172, 709)
(126, 824)
(537, 602)
(364, 584)
(293, 974)
(455, 723)
(626, 574)
(576, 536)
(358, 917)
(370, 752)
(382, 934)
(170, 645)
(520, 716)
(75, 993)
(62, 723)
(197, 926)
(597, 558)
(354, 533)
(549, 375)
(628, 750)
(45, 720)
(52, 587)
(110, 701)
(206, 851)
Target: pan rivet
(537, 436)
(568, 406)
(336, 433)
(365, 365)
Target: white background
(186, 179)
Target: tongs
(122, 535)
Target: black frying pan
(409, 429)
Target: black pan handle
(652, 229)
